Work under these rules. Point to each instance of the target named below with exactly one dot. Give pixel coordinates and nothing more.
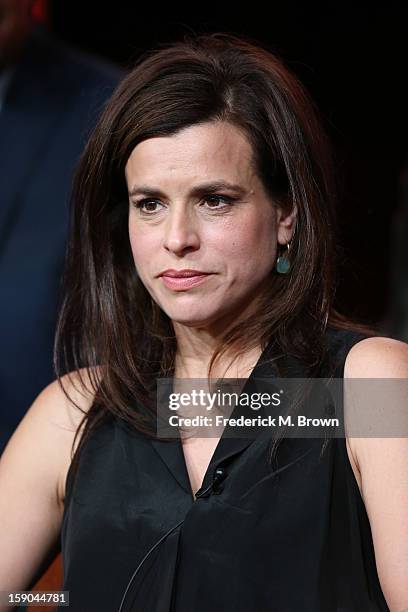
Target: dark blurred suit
(51, 101)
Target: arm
(383, 467)
(32, 476)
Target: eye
(214, 201)
(147, 206)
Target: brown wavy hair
(108, 322)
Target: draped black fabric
(284, 537)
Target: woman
(202, 245)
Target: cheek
(250, 243)
(134, 244)
(141, 247)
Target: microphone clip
(220, 474)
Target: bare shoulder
(51, 423)
(63, 403)
(374, 357)
(377, 357)
(66, 401)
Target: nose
(181, 233)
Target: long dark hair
(108, 323)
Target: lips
(187, 273)
(181, 280)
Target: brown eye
(217, 201)
(147, 206)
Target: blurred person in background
(50, 97)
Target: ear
(285, 223)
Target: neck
(195, 348)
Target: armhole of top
(71, 474)
(351, 339)
(76, 457)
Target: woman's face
(203, 232)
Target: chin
(189, 318)
(191, 321)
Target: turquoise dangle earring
(283, 263)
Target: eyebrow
(198, 190)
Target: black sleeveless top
(290, 539)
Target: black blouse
(290, 537)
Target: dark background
(352, 58)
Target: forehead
(198, 151)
